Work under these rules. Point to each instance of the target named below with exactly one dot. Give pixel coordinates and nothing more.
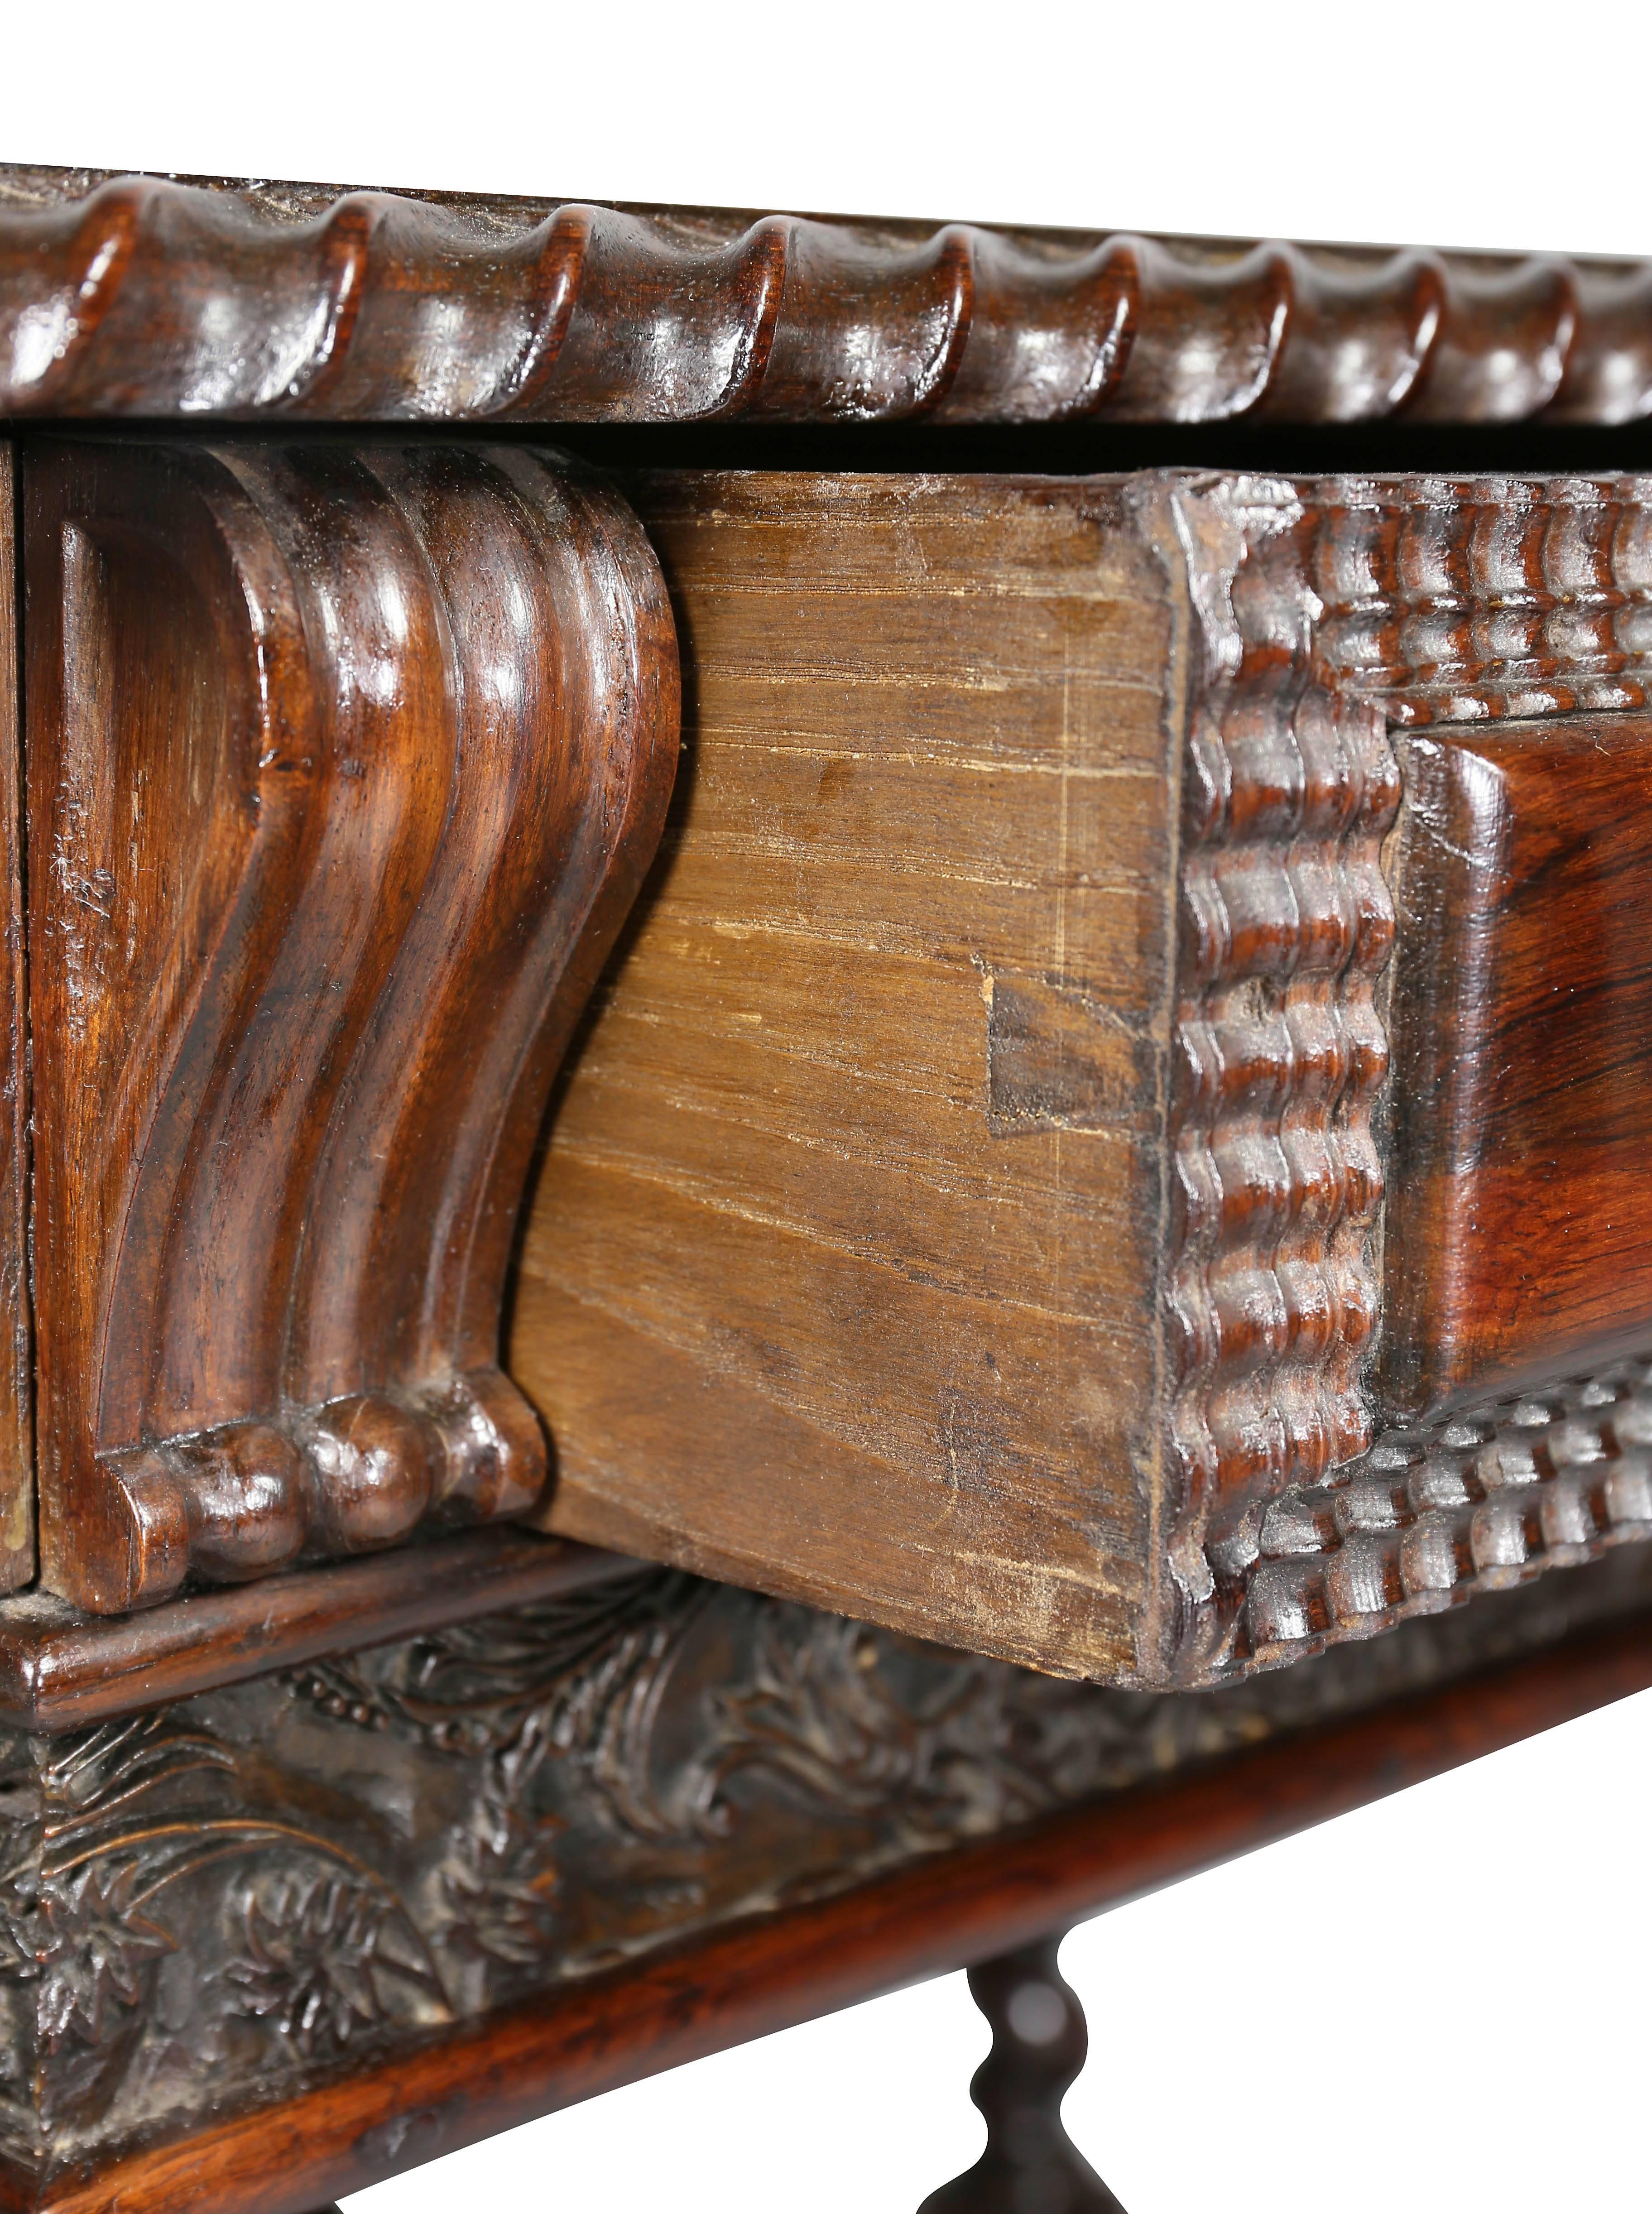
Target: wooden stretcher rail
(60, 1669)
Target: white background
(1437, 2003)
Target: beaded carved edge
(156, 296)
(1327, 613)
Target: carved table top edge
(62, 1669)
(148, 296)
(757, 1976)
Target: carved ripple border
(1327, 613)
(1479, 1502)
(143, 295)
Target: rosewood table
(824, 1052)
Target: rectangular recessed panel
(1519, 1237)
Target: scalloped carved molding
(344, 766)
(1328, 613)
(1486, 1499)
(141, 296)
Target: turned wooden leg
(1031, 2165)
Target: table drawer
(1014, 1185)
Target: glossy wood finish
(1484, 1497)
(16, 1358)
(1522, 1029)
(937, 1914)
(1026, 1264)
(1039, 2044)
(1411, 604)
(982, 1199)
(63, 1670)
(1056, 1345)
(344, 767)
(227, 1901)
(147, 297)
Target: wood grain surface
(1522, 1037)
(344, 768)
(16, 1353)
(841, 1274)
(966, 1209)
(899, 1247)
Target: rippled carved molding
(1483, 1500)
(1285, 923)
(344, 766)
(1327, 613)
(216, 1906)
(142, 296)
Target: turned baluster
(1031, 2165)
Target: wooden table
(823, 1050)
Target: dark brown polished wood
(985, 1200)
(16, 1364)
(347, 764)
(61, 1669)
(151, 297)
(1039, 2043)
(1522, 1061)
(776, 1969)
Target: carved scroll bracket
(344, 766)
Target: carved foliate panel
(344, 767)
(210, 1907)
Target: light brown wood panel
(842, 1278)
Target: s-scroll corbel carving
(344, 764)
